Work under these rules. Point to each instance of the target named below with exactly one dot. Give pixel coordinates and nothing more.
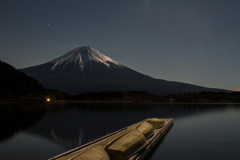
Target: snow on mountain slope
(85, 69)
(81, 56)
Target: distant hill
(15, 84)
(84, 69)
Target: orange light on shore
(48, 99)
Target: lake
(40, 131)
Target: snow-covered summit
(83, 55)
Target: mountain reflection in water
(69, 125)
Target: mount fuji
(84, 69)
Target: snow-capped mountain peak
(85, 69)
(81, 56)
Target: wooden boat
(134, 142)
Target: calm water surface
(200, 131)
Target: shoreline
(110, 101)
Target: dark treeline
(140, 96)
(15, 84)
(202, 97)
(135, 96)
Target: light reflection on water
(200, 131)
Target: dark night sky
(193, 41)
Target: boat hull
(138, 154)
